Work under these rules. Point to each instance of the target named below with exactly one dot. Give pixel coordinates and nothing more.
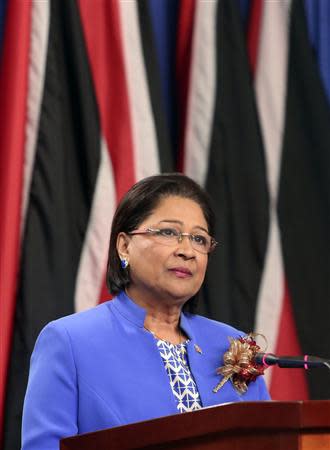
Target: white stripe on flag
(40, 16)
(143, 126)
(202, 89)
(94, 254)
(270, 85)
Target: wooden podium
(235, 426)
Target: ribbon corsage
(238, 363)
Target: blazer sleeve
(50, 405)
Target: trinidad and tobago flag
(97, 95)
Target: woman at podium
(144, 354)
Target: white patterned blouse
(175, 358)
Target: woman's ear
(123, 245)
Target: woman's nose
(184, 247)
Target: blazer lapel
(203, 368)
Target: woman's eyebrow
(181, 223)
(171, 221)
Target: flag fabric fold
(304, 198)
(66, 162)
(13, 86)
(236, 181)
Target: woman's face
(170, 273)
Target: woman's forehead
(179, 209)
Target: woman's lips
(181, 272)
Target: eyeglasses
(203, 243)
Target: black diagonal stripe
(304, 199)
(236, 181)
(66, 165)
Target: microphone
(303, 362)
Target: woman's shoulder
(82, 322)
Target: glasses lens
(166, 236)
(201, 242)
(170, 236)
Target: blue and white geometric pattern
(183, 386)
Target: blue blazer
(100, 368)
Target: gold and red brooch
(239, 363)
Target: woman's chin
(182, 293)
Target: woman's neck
(165, 330)
(164, 325)
(162, 319)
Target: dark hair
(139, 203)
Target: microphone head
(266, 359)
